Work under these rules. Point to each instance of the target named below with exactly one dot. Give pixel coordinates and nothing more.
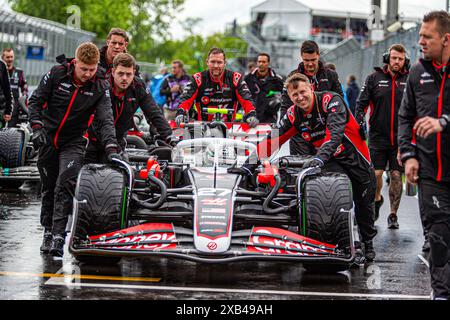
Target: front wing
(27, 173)
(163, 239)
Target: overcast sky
(216, 14)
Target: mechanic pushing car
(128, 95)
(6, 95)
(60, 110)
(383, 92)
(327, 130)
(424, 138)
(321, 79)
(18, 85)
(217, 87)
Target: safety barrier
(351, 58)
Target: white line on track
(425, 261)
(61, 282)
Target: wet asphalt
(397, 273)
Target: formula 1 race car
(17, 157)
(142, 141)
(191, 207)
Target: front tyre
(327, 202)
(101, 195)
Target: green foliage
(100, 16)
(147, 22)
(150, 22)
(96, 16)
(55, 11)
(193, 50)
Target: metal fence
(350, 58)
(21, 32)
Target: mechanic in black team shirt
(60, 111)
(382, 93)
(116, 43)
(320, 77)
(424, 137)
(217, 87)
(128, 95)
(18, 85)
(326, 129)
(6, 96)
(266, 87)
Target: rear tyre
(102, 189)
(12, 148)
(12, 154)
(327, 200)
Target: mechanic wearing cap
(321, 79)
(424, 137)
(128, 95)
(60, 111)
(326, 129)
(266, 87)
(217, 87)
(383, 92)
(6, 96)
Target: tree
(193, 49)
(100, 16)
(150, 22)
(96, 16)
(145, 20)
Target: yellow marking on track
(77, 276)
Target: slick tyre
(327, 200)
(100, 192)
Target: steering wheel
(200, 145)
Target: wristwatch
(443, 121)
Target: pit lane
(398, 272)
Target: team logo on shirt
(236, 78)
(205, 100)
(66, 85)
(291, 115)
(326, 100)
(306, 136)
(198, 79)
(339, 150)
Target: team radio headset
(387, 58)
